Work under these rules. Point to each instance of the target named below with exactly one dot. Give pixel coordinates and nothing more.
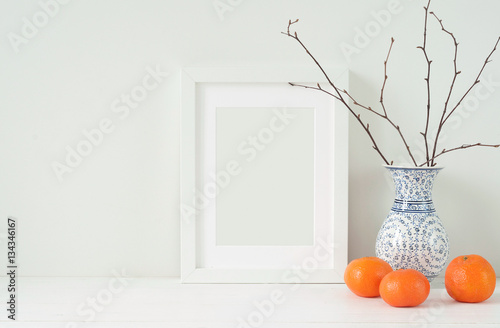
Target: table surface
(114, 302)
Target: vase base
(430, 278)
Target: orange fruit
(363, 275)
(470, 278)
(404, 287)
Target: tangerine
(470, 279)
(404, 288)
(363, 275)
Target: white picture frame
(322, 261)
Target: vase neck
(413, 184)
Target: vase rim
(403, 167)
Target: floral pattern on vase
(412, 235)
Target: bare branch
(385, 77)
(386, 116)
(314, 88)
(455, 75)
(290, 24)
(345, 97)
(427, 80)
(337, 90)
(464, 146)
(356, 103)
(446, 115)
(476, 81)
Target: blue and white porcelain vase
(412, 236)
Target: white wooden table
(164, 302)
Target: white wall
(118, 208)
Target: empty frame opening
(270, 198)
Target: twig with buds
(344, 96)
(428, 82)
(337, 94)
(465, 146)
(446, 114)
